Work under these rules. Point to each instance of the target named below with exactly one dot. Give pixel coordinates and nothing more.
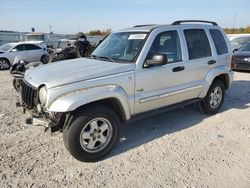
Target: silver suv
(133, 71)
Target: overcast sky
(71, 16)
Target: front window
(121, 47)
(166, 43)
(6, 47)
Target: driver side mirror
(14, 50)
(235, 50)
(157, 60)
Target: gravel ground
(180, 148)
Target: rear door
(200, 55)
(35, 52)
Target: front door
(19, 53)
(167, 84)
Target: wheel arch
(112, 96)
(112, 102)
(220, 73)
(224, 78)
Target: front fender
(72, 100)
(212, 74)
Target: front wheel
(214, 99)
(92, 133)
(4, 64)
(17, 84)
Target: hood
(70, 71)
(242, 54)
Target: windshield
(245, 47)
(240, 41)
(6, 47)
(64, 44)
(121, 47)
(35, 38)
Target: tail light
(233, 62)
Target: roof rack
(144, 25)
(185, 21)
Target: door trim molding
(168, 94)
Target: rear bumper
(231, 78)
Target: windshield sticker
(137, 36)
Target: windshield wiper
(103, 57)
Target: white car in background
(13, 52)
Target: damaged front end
(37, 114)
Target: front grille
(242, 65)
(29, 95)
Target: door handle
(211, 62)
(177, 69)
(140, 90)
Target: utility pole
(235, 15)
(50, 30)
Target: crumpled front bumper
(37, 121)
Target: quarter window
(167, 43)
(197, 43)
(219, 41)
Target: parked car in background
(241, 58)
(39, 39)
(132, 72)
(66, 49)
(13, 52)
(234, 36)
(239, 41)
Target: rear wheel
(92, 133)
(4, 64)
(214, 99)
(45, 59)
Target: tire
(214, 99)
(4, 64)
(17, 85)
(92, 133)
(45, 59)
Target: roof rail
(144, 25)
(185, 21)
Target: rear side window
(219, 41)
(32, 47)
(198, 44)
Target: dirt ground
(180, 148)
